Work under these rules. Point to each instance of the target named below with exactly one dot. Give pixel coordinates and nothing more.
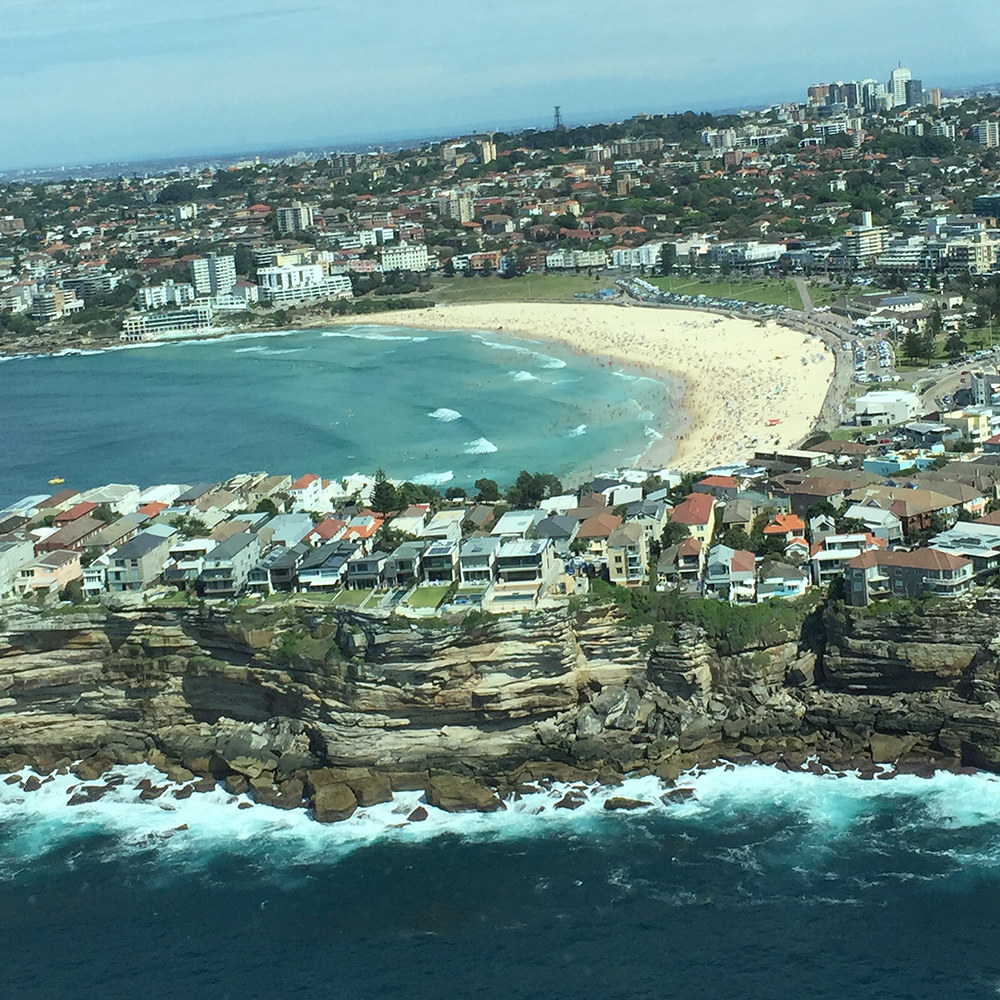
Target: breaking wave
(523, 376)
(481, 446)
(445, 415)
(816, 808)
(578, 431)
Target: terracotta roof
(689, 547)
(599, 526)
(918, 559)
(743, 561)
(785, 523)
(303, 481)
(993, 518)
(721, 481)
(696, 508)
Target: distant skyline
(104, 80)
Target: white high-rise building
(985, 134)
(213, 275)
(898, 79)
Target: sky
(84, 81)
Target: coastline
(727, 377)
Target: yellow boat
(56, 481)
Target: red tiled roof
(724, 481)
(303, 481)
(599, 526)
(77, 511)
(785, 523)
(689, 547)
(695, 508)
(153, 508)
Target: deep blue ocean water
(765, 886)
(433, 407)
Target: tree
(267, 506)
(667, 260)
(912, 345)
(489, 492)
(385, 498)
(104, 513)
(455, 493)
(529, 488)
(673, 534)
(955, 344)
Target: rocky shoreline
(303, 707)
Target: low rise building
(227, 567)
(49, 572)
(871, 575)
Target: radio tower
(557, 122)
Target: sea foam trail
(523, 376)
(445, 415)
(821, 808)
(368, 335)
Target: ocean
(436, 408)
(763, 886)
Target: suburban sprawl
(864, 217)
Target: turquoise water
(432, 407)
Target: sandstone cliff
(270, 696)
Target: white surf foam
(578, 431)
(523, 376)
(434, 478)
(367, 335)
(445, 415)
(481, 446)
(551, 362)
(197, 827)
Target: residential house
(259, 580)
(271, 488)
(682, 564)
(119, 497)
(832, 554)
(286, 529)
(49, 572)
(561, 529)
(283, 572)
(731, 573)
(73, 513)
(628, 555)
(403, 567)
(440, 560)
(138, 563)
(306, 493)
(651, 514)
(524, 567)
(880, 522)
(977, 541)
(366, 572)
(326, 566)
(477, 560)
(517, 523)
(446, 524)
(785, 527)
(739, 514)
(186, 560)
(412, 520)
(190, 496)
(74, 536)
(780, 580)
(720, 487)
(330, 529)
(697, 512)
(228, 565)
(14, 553)
(871, 575)
(596, 530)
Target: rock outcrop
(339, 709)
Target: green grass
(350, 598)
(427, 597)
(526, 288)
(766, 291)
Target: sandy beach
(737, 377)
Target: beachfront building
(731, 573)
(213, 275)
(193, 320)
(168, 294)
(887, 407)
(301, 283)
(524, 569)
(405, 256)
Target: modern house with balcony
(477, 561)
(326, 566)
(872, 575)
(403, 568)
(440, 561)
(628, 555)
(228, 565)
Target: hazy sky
(89, 80)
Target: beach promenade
(740, 384)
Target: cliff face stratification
(273, 694)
